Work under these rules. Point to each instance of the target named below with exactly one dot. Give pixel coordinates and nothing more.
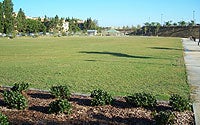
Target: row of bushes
(17, 98)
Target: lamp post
(194, 16)
(161, 19)
(199, 33)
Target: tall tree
(158, 25)
(182, 23)
(21, 21)
(8, 14)
(90, 24)
(168, 23)
(1, 18)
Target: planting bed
(83, 113)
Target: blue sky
(114, 12)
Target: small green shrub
(15, 100)
(19, 87)
(60, 106)
(164, 118)
(61, 91)
(141, 100)
(100, 97)
(3, 119)
(178, 103)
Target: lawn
(119, 65)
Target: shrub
(178, 103)
(60, 106)
(164, 118)
(15, 100)
(3, 119)
(61, 91)
(141, 100)
(19, 87)
(100, 97)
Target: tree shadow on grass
(115, 54)
(165, 48)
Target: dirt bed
(83, 113)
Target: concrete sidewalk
(192, 61)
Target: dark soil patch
(83, 113)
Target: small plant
(141, 100)
(3, 119)
(15, 100)
(100, 97)
(19, 87)
(61, 91)
(60, 106)
(164, 118)
(178, 103)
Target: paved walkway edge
(192, 62)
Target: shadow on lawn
(115, 54)
(165, 48)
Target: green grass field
(119, 65)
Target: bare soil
(83, 113)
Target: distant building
(112, 32)
(92, 32)
(65, 26)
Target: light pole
(199, 34)
(161, 19)
(194, 16)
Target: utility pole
(199, 34)
(161, 20)
(194, 16)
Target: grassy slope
(120, 65)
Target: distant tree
(8, 14)
(90, 24)
(39, 19)
(60, 24)
(34, 26)
(67, 19)
(182, 23)
(191, 23)
(147, 28)
(21, 21)
(46, 23)
(56, 22)
(175, 24)
(168, 23)
(73, 26)
(157, 25)
(1, 18)
(153, 24)
(45, 18)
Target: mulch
(85, 114)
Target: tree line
(153, 28)
(11, 22)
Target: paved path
(192, 61)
